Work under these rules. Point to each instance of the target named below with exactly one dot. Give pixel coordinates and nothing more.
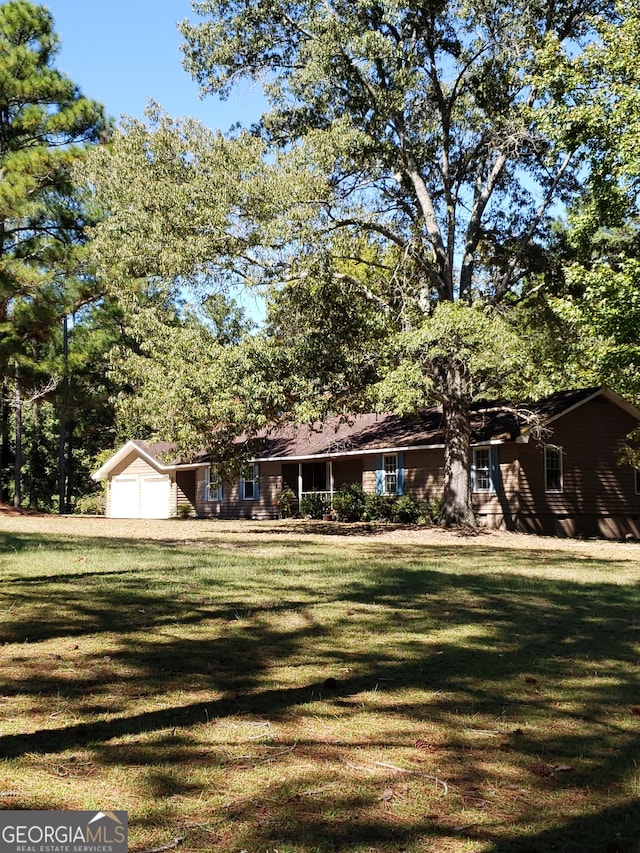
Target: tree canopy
(400, 194)
(449, 132)
(45, 126)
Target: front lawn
(262, 688)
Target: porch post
(299, 483)
(331, 480)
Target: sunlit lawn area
(264, 688)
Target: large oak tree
(448, 131)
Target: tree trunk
(62, 432)
(62, 464)
(457, 509)
(5, 464)
(33, 457)
(70, 471)
(17, 475)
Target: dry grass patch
(263, 687)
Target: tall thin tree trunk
(17, 468)
(5, 406)
(457, 509)
(62, 433)
(33, 454)
(70, 472)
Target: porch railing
(326, 496)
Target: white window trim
(489, 488)
(390, 473)
(254, 479)
(557, 449)
(213, 486)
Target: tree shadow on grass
(461, 645)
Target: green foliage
(446, 137)
(378, 508)
(285, 500)
(314, 506)
(406, 510)
(46, 125)
(397, 197)
(349, 502)
(93, 503)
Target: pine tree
(46, 124)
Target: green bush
(94, 504)
(378, 508)
(314, 506)
(430, 511)
(405, 510)
(349, 502)
(286, 501)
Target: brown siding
(499, 510)
(598, 496)
(270, 483)
(423, 474)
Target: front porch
(321, 478)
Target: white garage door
(154, 497)
(124, 497)
(140, 497)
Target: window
(314, 477)
(637, 478)
(390, 474)
(249, 483)
(213, 486)
(482, 470)
(552, 468)
(390, 468)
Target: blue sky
(124, 52)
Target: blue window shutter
(473, 471)
(379, 476)
(400, 474)
(495, 469)
(219, 490)
(256, 485)
(241, 489)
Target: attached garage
(124, 497)
(155, 496)
(139, 485)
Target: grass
(260, 688)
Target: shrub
(378, 508)
(349, 502)
(314, 506)
(285, 501)
(405, 510)
(431, 511)
(94, 504)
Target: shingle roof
(158, 450)
(490, 421)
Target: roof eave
(608, 394)
(127, 449)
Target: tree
(596, 284)
(438, 128)
(45, 126)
